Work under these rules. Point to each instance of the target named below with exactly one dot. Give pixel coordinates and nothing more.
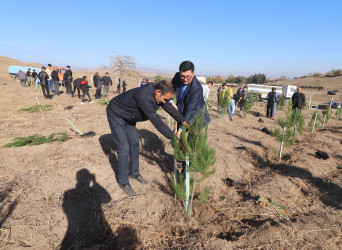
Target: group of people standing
(102, 85)
(238, 99)
(28, 78)
(50, 78)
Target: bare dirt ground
(51, 194)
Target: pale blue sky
(289, 38)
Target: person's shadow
(82, 205)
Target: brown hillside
(5, 62)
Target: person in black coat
(189, 94)
(124, 111)
(77, 85)
(55, 77)
(85, 89)
(124, 85)
(43, 78)
(98, 85)
(272, 98)
(68, 80)
(298, 99)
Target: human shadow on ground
(109, 148)
(87, 226)
(153, 150)
(6, 207)
(256, 143)
(330, 192)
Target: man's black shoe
(140, 179)
(128, 189)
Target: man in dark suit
(128, 108)
(189, 93)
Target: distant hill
(5, 62)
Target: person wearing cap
(272, 98)
(29, 77)
(106, 81)
(44, 78)
(22, 77)
(50, 81)
(68, 80)
(55, 77)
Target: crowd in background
(52, 79)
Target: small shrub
(327, 113)
(318, 120)
(203, 197)
(338, 113)
(36, 108)
(247, 107)
(104, 102)
(37, 140)
(200, 154)
(281, 102)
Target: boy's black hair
(165, 87)
(186, 66)
(84, 77)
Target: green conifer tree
(200, 154)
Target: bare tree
(123, 65)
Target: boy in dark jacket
(55, 77)
(106, 81)
(85, 89)
(43, 78)
(68, 80)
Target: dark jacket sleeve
(110, 80)
(147, 107)
(193, 106)
(170, 109)
(95, 81)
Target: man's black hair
(186, 66)
(165, 87)
(84, 77)
(210, 82)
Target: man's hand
(179, 132)
(186, 124)
(174, 105)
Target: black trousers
(78, 91)
(270, 109)
(68, 87)
(45, 91)
(98, 94)
(86, 92)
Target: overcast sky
(290, 38)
